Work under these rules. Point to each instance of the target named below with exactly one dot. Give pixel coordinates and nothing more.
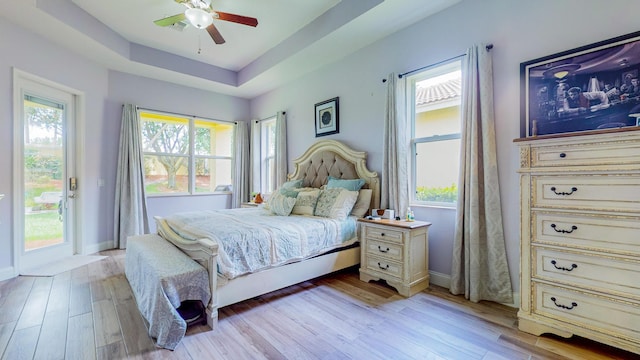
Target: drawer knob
(573, 189)
(381, 234)
(383, 267)
(381, 250)
(563, 155)
(563, 231)
(573, 304)
(573, 266)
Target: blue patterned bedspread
(253, 239)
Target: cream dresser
(580, 236)
(397, 252)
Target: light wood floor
(90, 313)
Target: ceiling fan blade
(215, 34)
(170, 20)
(244, 20)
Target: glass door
(45, 231)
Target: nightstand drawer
(610, 275)
(384, 266)
(383, 233)
(384, 250)
(595, 192)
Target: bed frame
(323, 159)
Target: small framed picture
(327, 117)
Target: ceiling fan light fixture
(198, 18)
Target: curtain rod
(270, 117)
(488, 47)
(187, 115)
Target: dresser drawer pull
(573, 189)
(381, 250)
(563, 155)
(383, 267)
(573, 227)
(573, 266)
(573, 304)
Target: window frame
(265, 156)
(192, 157)
(430, 72)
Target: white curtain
(241, 165)
(395, 179)
(479, 267)
(130, 215)
(281, 148)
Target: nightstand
(248, 205)
(397, 252)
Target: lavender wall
(104, 92)
(32, 54)
(159, 95)
(519, 30)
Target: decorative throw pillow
(288, 192)
(292, 184)
(353, 185)
(281, 204)
(335, 203)
(306, 202)
(363, 203)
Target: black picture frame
(327, 117)
(563, 92)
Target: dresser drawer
(588, 311)
(612, 153)
(383, 233)
(389, 251)
(588, 192)
(606, 274)
(385, 267)
(592, 232)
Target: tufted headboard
(332, 158)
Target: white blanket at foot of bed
(161, 277)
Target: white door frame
(20, 80)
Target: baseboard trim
(440, 279)
(444, 281)
(8, 273)
(95, 248)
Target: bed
(323, 160)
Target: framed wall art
(588, 88)
(327, 119)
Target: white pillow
(280, 204)
(306, 202)
(335, 203)
(363, 203)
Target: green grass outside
(447, 194)
(42, 226)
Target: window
(268, 155)
(185, 155)
(435, 134)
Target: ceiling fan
(201, 15)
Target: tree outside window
(185, 155)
